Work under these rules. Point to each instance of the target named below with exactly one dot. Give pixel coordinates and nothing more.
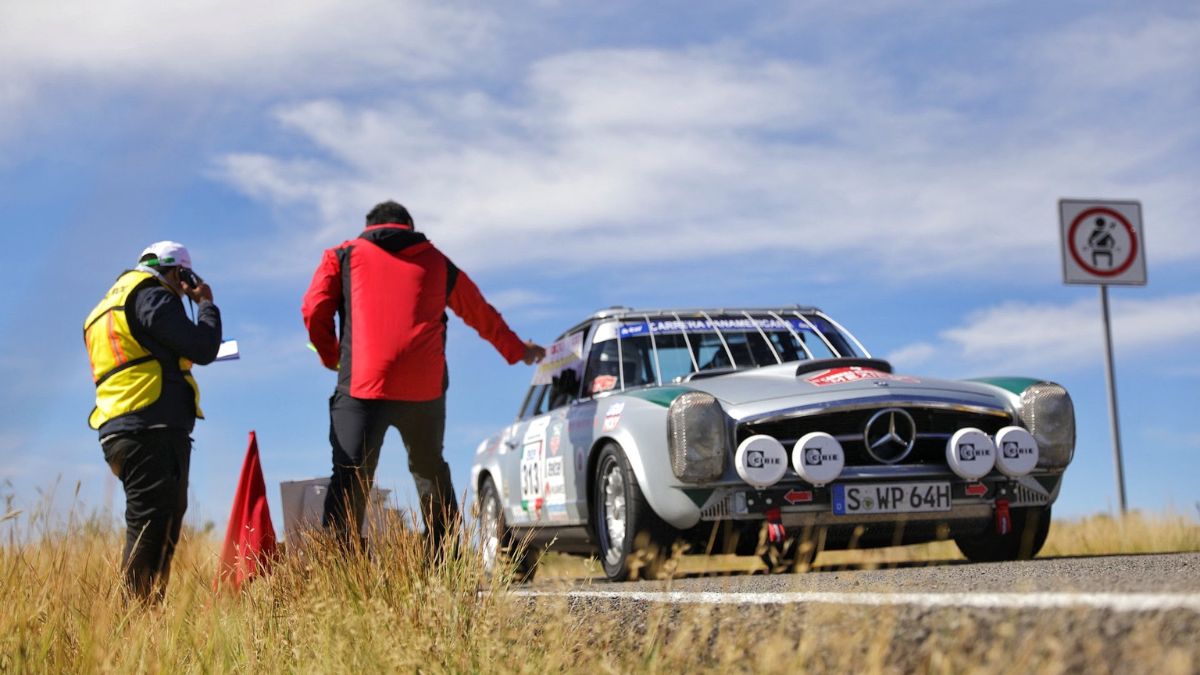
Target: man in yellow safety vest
(142, 345)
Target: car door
(541, 447)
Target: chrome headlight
(1047, 411)
(696, 432)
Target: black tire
(628, 532)
(497, 546)
(1031, 525)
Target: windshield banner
(701, 325)
(566, 353)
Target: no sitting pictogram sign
(1102, 242)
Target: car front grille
(934, 427)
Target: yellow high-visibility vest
(128, 378)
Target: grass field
(390, 613)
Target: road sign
(1102, 245)
(1102, 242)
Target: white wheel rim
(490, 526)
(614, 510)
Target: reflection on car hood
(779, 386)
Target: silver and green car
(768, 432)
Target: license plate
(890, 498)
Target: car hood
(758, 390)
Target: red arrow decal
(976, 490)
(797, 496)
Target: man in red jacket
(390, 288)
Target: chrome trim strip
(958, 511)
(889, 471)
(770, 345)
(717, 329)
(620, 359)
(866, 404)
(795, 335)
(861, 473)
(687, 341)
(842, 329)
(654, 348)
(832, 350)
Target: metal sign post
(1102, 244)
(1113, 417)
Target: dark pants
(153, 467)
(356, 431)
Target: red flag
(250, 540)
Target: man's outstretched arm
(469, 304)
(321, 303)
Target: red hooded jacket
(390, 288)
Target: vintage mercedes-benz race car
(761, 431)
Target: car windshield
(654, 349)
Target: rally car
(767, 432)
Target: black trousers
(356, 431)
(153, 467)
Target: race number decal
(532, 479)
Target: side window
(834, 336)
(749, 349)
(535, 402)
(710, 353)
(564, 389)
(602, 370)
(786, 345)
(673, 356)
(634, 359)
(564, 386)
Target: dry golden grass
(321, 612)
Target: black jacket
(159, 322)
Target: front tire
(627, 530)
(497, 547)
(1031, 525)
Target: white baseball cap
(167, 254)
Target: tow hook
(775, 531)
(1003, 517)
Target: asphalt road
(1170, 573)
(1102, 613)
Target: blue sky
(895, 163)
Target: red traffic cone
(250, 540)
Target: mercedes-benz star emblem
(890, 435)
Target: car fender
(650, 460)
(487, 462)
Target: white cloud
(911, 356)
(1031, 337)
(1124, 49)
(658, 155)
(517, 299)
(297, 45)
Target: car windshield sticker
(854, 374)
(612, 417)
(667, 326)
(604, 383)
(566, 353)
